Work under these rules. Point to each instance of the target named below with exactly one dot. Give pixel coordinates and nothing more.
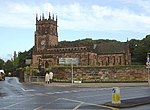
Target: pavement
(130, 102)
(124, 103)
(92, 85)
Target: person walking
(46, 78)
(51, 77)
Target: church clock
(43, 42)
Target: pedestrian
(46, 78)
(51, 77)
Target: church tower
(46, 35)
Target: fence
(42, 79)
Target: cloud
(142, 4)
(16, 15)
(75, 16)
(7, 57)
(102, 18)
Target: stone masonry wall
(124, 73)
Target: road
(19, 96)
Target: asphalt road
(18, 96)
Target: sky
(77, 19)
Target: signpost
(70, 61)
(148, 67)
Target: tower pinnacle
(53, 16)
(56, 17)
(43, 16)
(36, 16)
(49, 15)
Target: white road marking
(27, 90)
(88, 104)
(78, 106)
(65, 92)
(39, 108)
(6, 107)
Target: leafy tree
(83, 42)
(8, 66)
(15, 60)
(134, 48)
(146, 43)
(21, 59)
(139, 49)
(1, 63)
(22, 56)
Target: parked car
(2, 75)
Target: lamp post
(72, 71)
(148, 66)
(148, 77)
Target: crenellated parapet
(42, 19)
(45, 25)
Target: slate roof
(111, 48)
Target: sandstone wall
(124, 73)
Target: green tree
(8, 66)
(146, 43)
(16, 60)
(22, 56)
(139, 49)
(1, 63)
(21, 59)
(134, 49)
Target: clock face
(42, 42)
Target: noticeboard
(68, 60)
(28, 61)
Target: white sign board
(62, 61)
(28, 61)
(68, 60)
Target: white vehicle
(2, 75)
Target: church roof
(111, 48)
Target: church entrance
(46, 64)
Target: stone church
(47, 51)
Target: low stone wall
(122, 73)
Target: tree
(8, 66)
(21, 59)
(22, 56)
(1, 63)
(15, 60)
(139, 49)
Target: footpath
(124, 103)
(92, 85)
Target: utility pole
(148, 67)
(72, 71)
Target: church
(47, 51)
